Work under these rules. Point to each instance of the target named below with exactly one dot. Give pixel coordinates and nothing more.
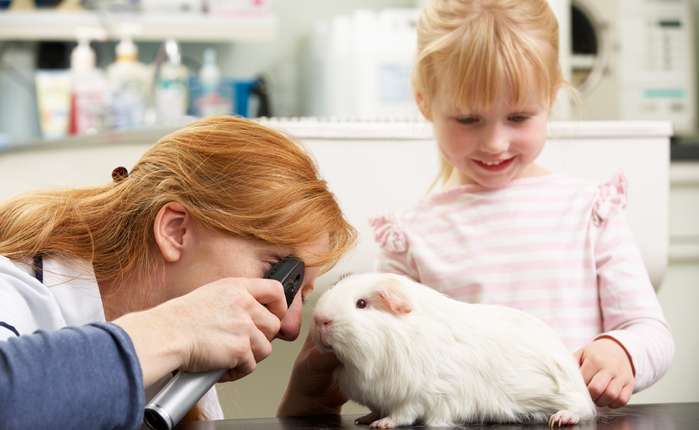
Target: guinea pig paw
(383, 423)
(563, 418)
(367, 419)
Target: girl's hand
(227, 324)
(312, 389)
(607, 371)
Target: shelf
(191, 27)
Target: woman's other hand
(312, 389)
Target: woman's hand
(312, 389)
(607, 371)
(227, 324)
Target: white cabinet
(684, 212)
(679, 294)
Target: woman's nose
(291, 324)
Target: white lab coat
(69, 296)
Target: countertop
(331, 128)
(670, 416)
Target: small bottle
(129, 85)
(171, 87)
(89, 92)
(211, 101)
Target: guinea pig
(411, 354)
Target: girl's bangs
(496, 66)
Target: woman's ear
(170, 228)
(423, 105)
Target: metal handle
(177, 397)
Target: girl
(171, 252)
(502, 229)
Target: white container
(171, 87)
(53, 92)
(18, 124)
(361, 65)
(89, 93)
(129, 86)
(211, 100)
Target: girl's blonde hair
(233, 175)
(471, 50)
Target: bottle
(171, 86)
(89, 92)
(211, 101)
(129, 85)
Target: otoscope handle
(178, 396)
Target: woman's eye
(361, 304)
(467, 120)
(269, 265)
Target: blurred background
(84, 66)
(72, 69)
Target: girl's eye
(467, 120)
(361, 304)
(518, 118)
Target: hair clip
(119, 173)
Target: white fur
(447, 362)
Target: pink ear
(390, 298)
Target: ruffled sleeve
(395, 254)
(610, 199)
(388, 235)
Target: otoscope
(185, 389)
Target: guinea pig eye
(361, 304)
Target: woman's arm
(77, 377)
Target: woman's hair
(470, 50)
(233, 175)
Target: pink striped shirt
(554, 246)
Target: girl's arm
(84, 377)
(631, 313)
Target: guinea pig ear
(390, 298)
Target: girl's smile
(494, 166)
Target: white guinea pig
(410, 353)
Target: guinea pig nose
(322, 321)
